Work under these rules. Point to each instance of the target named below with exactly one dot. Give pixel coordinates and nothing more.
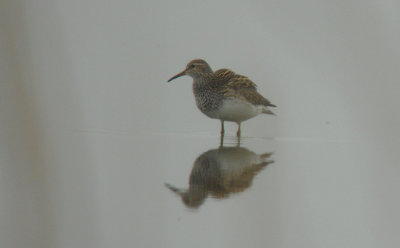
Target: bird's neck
(202, 79)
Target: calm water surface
(97, 150)
(185, 190)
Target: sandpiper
(224, 95)
(220, 173)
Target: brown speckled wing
(229, 79)
(254, 97)
(235, 85)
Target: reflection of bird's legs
(238, 131)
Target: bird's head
(196, 68)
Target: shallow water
(190, 192)
(97, 150)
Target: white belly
(236, 110)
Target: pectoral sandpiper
(224, 94)
(220, 173)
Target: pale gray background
(90, 131)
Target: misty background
(90, 130)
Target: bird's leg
(238, 131)
(221, 141)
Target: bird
(220, 173)
(224, 95)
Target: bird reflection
(221, 172)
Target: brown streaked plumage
(223, 94)
(220, 173)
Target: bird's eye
(191, 66)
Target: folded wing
(235, 85)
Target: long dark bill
(177, 75)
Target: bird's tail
(267, 111)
